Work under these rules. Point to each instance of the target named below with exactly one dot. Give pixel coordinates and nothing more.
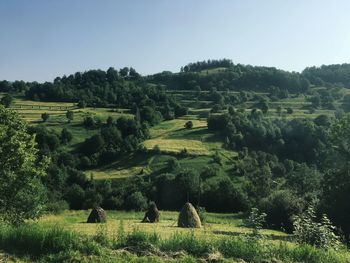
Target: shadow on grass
(129, 161)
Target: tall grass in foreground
(55, 244)
(239, 247)
(35, 241)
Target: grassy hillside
(170, 137)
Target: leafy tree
(216, 108)
(45, 116)
(124, 72)
(322, 120)
(173, 164)
(109, 121)
(280, 207)
(7, 100)
(75, 196)
(112, 74)
(189, 181)
(290, 110)
(66, 136)
(136, 201)
(70, 115)
(133, 74)
(81, 104)
(256, 221)
(5, 86)
(189, 125)
(264, 106)
(220, 194)
(217, 158)
(156, 149)
(320, 234)
(279, 110)
(21, 192)
(89, 122)
(149, 115)
(180, 111)
(337, 74)
(231, 110)
(336, 185)
(92, 198)
(316, 101)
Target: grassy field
(173, 137)
(216, 226)
(67, 238)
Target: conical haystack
(152, 214)
(188, 217)
(97, 215)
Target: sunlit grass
(218, 225)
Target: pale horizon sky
(42, 39)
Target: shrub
(66, 136)
(136, 201)
(309, 231)
(156, 149)
(280, 208)
(57, 207)
(184, 152)
(256, 220)
(45, 116)
(189, 125)
(89, 122)
(75, 196)
(6, 100)
(81, 104)
(173, 164)
(217, 158)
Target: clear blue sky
(42, 39)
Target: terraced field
(170, 137)
(199, 109)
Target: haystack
(152, 214)
(97, 215)
(188, 217)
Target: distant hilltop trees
(209, 64)
(126, 86)
(338, 75)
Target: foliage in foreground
(21, 191)
(320, 234)
(33, 242)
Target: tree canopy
(21, 191)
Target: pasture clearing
(217, 225)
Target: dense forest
(337, 75)
(283, 165)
